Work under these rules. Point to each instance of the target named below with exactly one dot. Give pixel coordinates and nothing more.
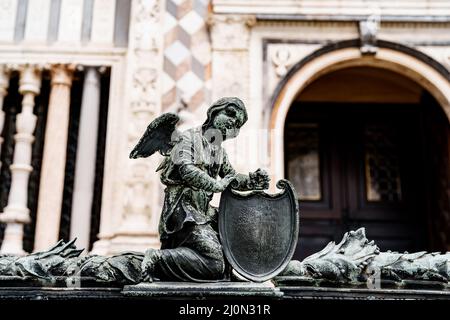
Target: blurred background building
(350, 100)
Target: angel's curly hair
(222, 104)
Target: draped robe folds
(190, 249)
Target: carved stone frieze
(368, 32)
(281, 57)
(131, 224)
(144, 100)
(224, 29)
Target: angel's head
(227, 115)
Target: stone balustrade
(16, 213)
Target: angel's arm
(197, 178)
(184, 156)
(241, 181)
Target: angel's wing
(157, 137)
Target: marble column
(53, 159)
(83, 189)
(16, 213)
(4, 83)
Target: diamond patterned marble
(187, 55)
(192, 22)
(169, 22)
(179, 8)
(189, 84)
(176, 53)
(167, 83)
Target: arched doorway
(358, 146)
(366, 144)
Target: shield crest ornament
(259, 231)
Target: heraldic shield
(259, 231)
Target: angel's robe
(191, 250)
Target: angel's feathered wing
(157, 137)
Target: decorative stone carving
(144, 103)
(368, 30)
(16, 213)
(145, 23)
(144, 86)
(137, 205)
(230, 53)
(281, 59)
(224, 29)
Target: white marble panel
(103, 21)
(36, 26)
(8, 9)
(70, 21)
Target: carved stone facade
(137, 208)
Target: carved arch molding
(407, 61)
(397, 57)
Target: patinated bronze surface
(194, 159)
(259, 231)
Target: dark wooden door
(357, 166)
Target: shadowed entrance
(368, 147)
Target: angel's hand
(223, 184)
(151, 257)
(146, 276)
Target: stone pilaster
(83, 190)
(230, 66)
(54, 159)
(133, 223)
(231, 77)
(16, 213)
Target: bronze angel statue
(193, 162)
(194, 167)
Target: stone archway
(413, 67)
(406, 61)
